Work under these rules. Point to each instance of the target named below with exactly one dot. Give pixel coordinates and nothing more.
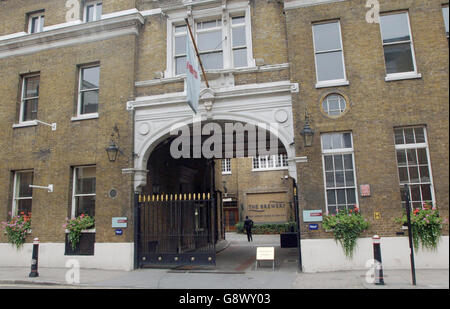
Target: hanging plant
(346, 226)
(17, 228)
(426, 227)
(75, 226)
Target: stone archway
(263, 105)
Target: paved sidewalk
(235, 269)
(250, 279)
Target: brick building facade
(376, 94)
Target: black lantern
(307, 132)
(112, 150)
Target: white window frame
(401, 75)
(226, 166)
(335, 82)
(220, 28)
(79, 115)
(445, 6)
(233, 48)
(74, 196)
(233, 9)
(41, 21)
(415, 146)
(341, 151)
(23, 99)
(16, 198)
(95, 5)
(262, 163)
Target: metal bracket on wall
(49, 187)
(53, 125)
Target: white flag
(193, 79)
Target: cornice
(71, 33)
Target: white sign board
(265, 254)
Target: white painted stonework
(264, 103)
(320, 255)
(114, 256)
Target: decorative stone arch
(261, 104)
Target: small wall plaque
(119, 222)
(365, 190)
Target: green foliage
(268, 228)
(75, 226)
(426, 227)
(347, 226)
(16, 229)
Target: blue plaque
(119, 232)
(313, 227)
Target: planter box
(288, 240)
(84, 247)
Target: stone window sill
(85, 117)
(25, 124)
(333, 83)
(402, 76)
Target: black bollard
(34, 259)
(379, 280)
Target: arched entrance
(180, 208)
(172, 183)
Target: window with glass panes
(397, 43)
(446, 18)
(93, 11)
(413, 165)
(270, 162)
(216, 52)
(23, 194)
(36, 22)
(239, 40)
(83, 192)
(339, 171)
(226, 166)
(209, 43)
(88, 90)
(334, 105)
(328, 51)
(30, 98)
(180, 37)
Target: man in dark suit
(248, 224)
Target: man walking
(248, 224)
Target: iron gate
(176, 229)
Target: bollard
(34, 259)
(379, 280)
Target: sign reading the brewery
(267, 207)
(119, 222)
(313, 227)
(265, 253)
(365, 190)
(312, 215)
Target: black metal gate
(176, 229)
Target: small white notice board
(265, 254)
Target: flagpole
(196, 51)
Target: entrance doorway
(181, 214)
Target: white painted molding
(295, 4)
(67, 34)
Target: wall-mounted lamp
(112, 150)
(307, 132)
